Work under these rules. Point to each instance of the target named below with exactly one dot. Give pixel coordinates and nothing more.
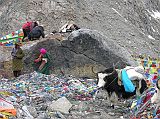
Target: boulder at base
(82, 54)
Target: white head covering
(37, 22)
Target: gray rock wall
(84, 53)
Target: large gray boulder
(83, 53)
(97, 47)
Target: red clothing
(148, 97)
(158, 112)
(27, 25)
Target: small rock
(43, 116)
(62, 105)
(32, 111)
(111, 113)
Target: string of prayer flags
(11, 38)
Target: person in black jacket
(36, 33)
(27, 27)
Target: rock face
(82, 54)
(133, 24)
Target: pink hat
(43, 51)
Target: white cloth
(156, 97)
(64, 30)
(44, 59)
(133, 72)
(13, 53)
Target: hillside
(133, 24)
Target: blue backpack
(128, 85)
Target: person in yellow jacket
(17, 56)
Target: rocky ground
(37, 96)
